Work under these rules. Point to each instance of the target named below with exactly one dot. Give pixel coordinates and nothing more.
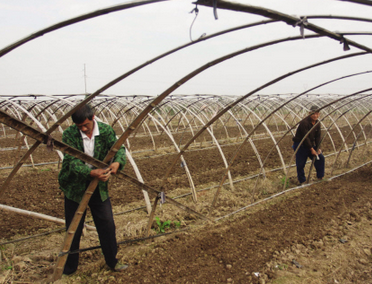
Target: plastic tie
(344, 42)
(354, 145)
(196, 10)
(162, 197)
(302, 23)
(63, 253)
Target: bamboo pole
(61, 261)
(18, 143)
(351, 131)
(275, 15)
(37, 215)
(76, 20)
(152, 214)
(363, 2)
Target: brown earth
(316, 234)
(325, 229)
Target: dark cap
(314, 109)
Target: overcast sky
(110, 45)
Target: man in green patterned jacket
(95, 139)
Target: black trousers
(301, 157)
(104, 221)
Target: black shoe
(69, 273)
(66, 276)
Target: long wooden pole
(37, 215)
(75, 20)
(61, 261)
(152, 214)
(275, 15)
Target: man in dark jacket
(309, 148)
(94, 139)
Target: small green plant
(162, 225)
(177, 224)
(284, 180)
(282, 267)
(9, 267)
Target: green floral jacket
(75, 174)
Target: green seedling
(162, 225)
(284, 180)
(283, 267)
(177, 224)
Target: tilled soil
(316, 234)
(270, 241)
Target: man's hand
(114, 168)
(313, 152)
(104, 174)
(101, 174)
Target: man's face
(86, 127)
(315, 116)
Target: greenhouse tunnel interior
(215, 153)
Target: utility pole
(85, 79)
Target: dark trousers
(104, 221)
(301, 157)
